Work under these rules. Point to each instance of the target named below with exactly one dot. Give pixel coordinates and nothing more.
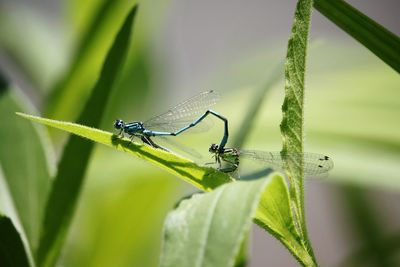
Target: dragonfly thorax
(135, 127)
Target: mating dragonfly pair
(180, 119)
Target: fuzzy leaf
(292, 126)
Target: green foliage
(31, 170)
(12, 251)
(373, 36)
(71, 171)
(77, 82)
(292, 126)
(196, 233)
(119, 216)
(205, 178)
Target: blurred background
(180, 48)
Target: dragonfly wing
(177, 125)
(314, 164)
(184, 113)
(187, 150)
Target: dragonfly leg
(147, 140)
(215, 162)
(232, 166)
(121, 133)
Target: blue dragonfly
(229, 159)
(175, 121)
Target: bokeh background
(237, 48)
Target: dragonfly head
(213, 148)
(119, 124)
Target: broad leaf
(12, 251)
(372, 35)
(71, 171)
(208, 229)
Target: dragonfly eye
(213, 148)
(119, 124)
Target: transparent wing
(187, 150)
(314, 164)
(184, 113)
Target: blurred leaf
(256, 104)
(365, 224)
(12, 251)
(75, 86)
(138, 80)
(123, 226)
(373, 36)
(362, 257)
(202, 177)
(24, 161)
(20, 23)
(243, 254)
(292, 129)
(72, 168)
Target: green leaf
(372, 35)
(121, 227)
(293, 110)
(274, 211)
(12, 251)
(204, 178)
(256, 104)
(274, 214)
(24, 163)
(208, 229)
(71, 170)
(366, 224)
(19, 23)
(77, 82)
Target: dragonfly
(174, 121)
(314, 164)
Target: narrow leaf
(24, 162)
(380, 41)
(293, 110)
(77, 82)
(202, 177)
(256, 104)
(12, 251)
(71, 171)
